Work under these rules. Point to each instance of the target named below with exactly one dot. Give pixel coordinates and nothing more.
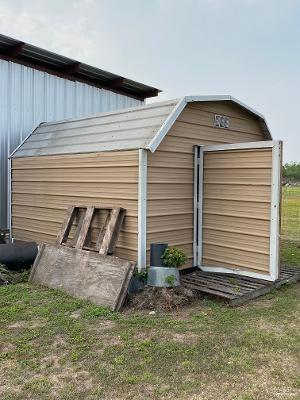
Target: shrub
(291, 171)
(173, 257)
(170, 280)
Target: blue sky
(247, 48)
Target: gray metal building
(38, 86)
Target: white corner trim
(241, 146)
(224, 97)
(196, 180)
(237, 271)
(167, 125)
(142, 210)
(9, 200)
(24, 140)
(275, 210)
(200, 206)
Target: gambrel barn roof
(142, 127)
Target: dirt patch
(261, 302)
(185, 338)
(59, 342)
(104, 331)
(278, 328)
(35, 323)
(162, 299)
(103, 326)
(249, 387)
(76, 314)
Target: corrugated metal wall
(29, 96)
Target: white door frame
(274, 208)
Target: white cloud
(240, 47)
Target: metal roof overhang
(23, 53)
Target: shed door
(239, 189)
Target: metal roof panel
(142, 127)
(38, 58)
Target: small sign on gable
(221, 121)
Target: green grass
(56, 347)
(290, 253)
(290, 219)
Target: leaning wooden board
(103, 280)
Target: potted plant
(168, 274)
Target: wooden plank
(116, 231)
(85, 227)
(103, 280)
(209, 290)
(114, 214)
(227, 278)
(66, 225)
(37, 260)
(290, 269)
(249, 279)
(227, 281)
(291, 278)
(103, 229)
(78, 229)
(124, 290)
(251, 295)
(212, 285)
(242, 290)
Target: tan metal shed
(201, 173)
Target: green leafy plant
(141, 275)
(174, 257)
(170, 280)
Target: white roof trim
(164, 129)
(167, 125)
(23, 141)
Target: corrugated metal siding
(171, 168)
(43, 187)
(122, 130)
(29, 96)
(236, 209)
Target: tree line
(291, 171)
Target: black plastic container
(18, 256)
(156, 252)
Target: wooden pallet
(236, 290)
(108, 235)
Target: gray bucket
(157, 276)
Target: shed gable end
(170, 194)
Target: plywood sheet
(103, 280)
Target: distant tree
(291, 171)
